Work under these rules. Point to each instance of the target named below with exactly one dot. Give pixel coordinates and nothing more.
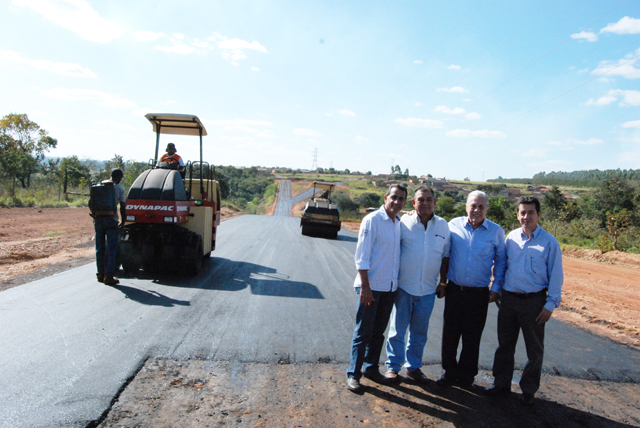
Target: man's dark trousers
(368, 335)
(107, 237)
(519, 312)
(465, 314)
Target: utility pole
(314, 166)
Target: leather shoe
(494, 391)
(376, 376)
(100, 277)
(418, 376)
(109, 280)
(354, 384)
(443, 382)
(527, 399)
(392, 375)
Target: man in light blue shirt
(424, 256)
(477, 252)
(377, 261)
(531, 292)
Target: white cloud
(454, 67)
(420, 123)
(360, 139)
(345, 112)
(255, 69)
(305, 132)
(467, 133)
(631, 124)
(417, 104)
(233, 49)
(146, 36)
(418, 61)
(624, 67)
(447, 110)
(589, 142)
(629, 97)
(63, 68)
(104, 99)
(178, 36)
(473, 116)
(458, 89)
(626, 25)
(587, 35)
(535, 153)
(602, 101)
(77, 16)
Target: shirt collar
(535, 233)
(385, 216)
(466, 223)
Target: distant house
(453, 187)
(437, 182)
(510, 193)
(571, 197)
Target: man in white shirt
(377, 261)
(424, 259)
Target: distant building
(510, 193)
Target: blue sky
(474, 89)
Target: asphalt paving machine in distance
(321, 217)
(171, 218)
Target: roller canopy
(176, 124)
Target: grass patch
(54, 232)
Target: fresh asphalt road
(268, 294)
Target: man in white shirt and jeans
(424, 259)
(377, 260)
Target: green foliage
(368, 199)
(251, 189)
(584, 178)
(344, 202)
(22, 147)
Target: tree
(553, 202)
(614, 196)
(367, 200)
(22, 147)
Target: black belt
(526, 295)
(467, 289)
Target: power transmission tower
(314, 166)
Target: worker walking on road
(107, 233)
(377, 261)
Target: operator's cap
(117, 172)
(171, 146)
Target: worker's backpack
(102, 200)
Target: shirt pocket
(438, 245)
(536, 262)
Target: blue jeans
(368, 336)
(107, 237)
(411, 312)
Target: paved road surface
(269, 294)
(285, 202)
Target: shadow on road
(229, 275)
(148, 297)
(468, 409)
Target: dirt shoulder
(212, 394)
(39, 242)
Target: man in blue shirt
(531, 292)
(377, 261)
(477, 252)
